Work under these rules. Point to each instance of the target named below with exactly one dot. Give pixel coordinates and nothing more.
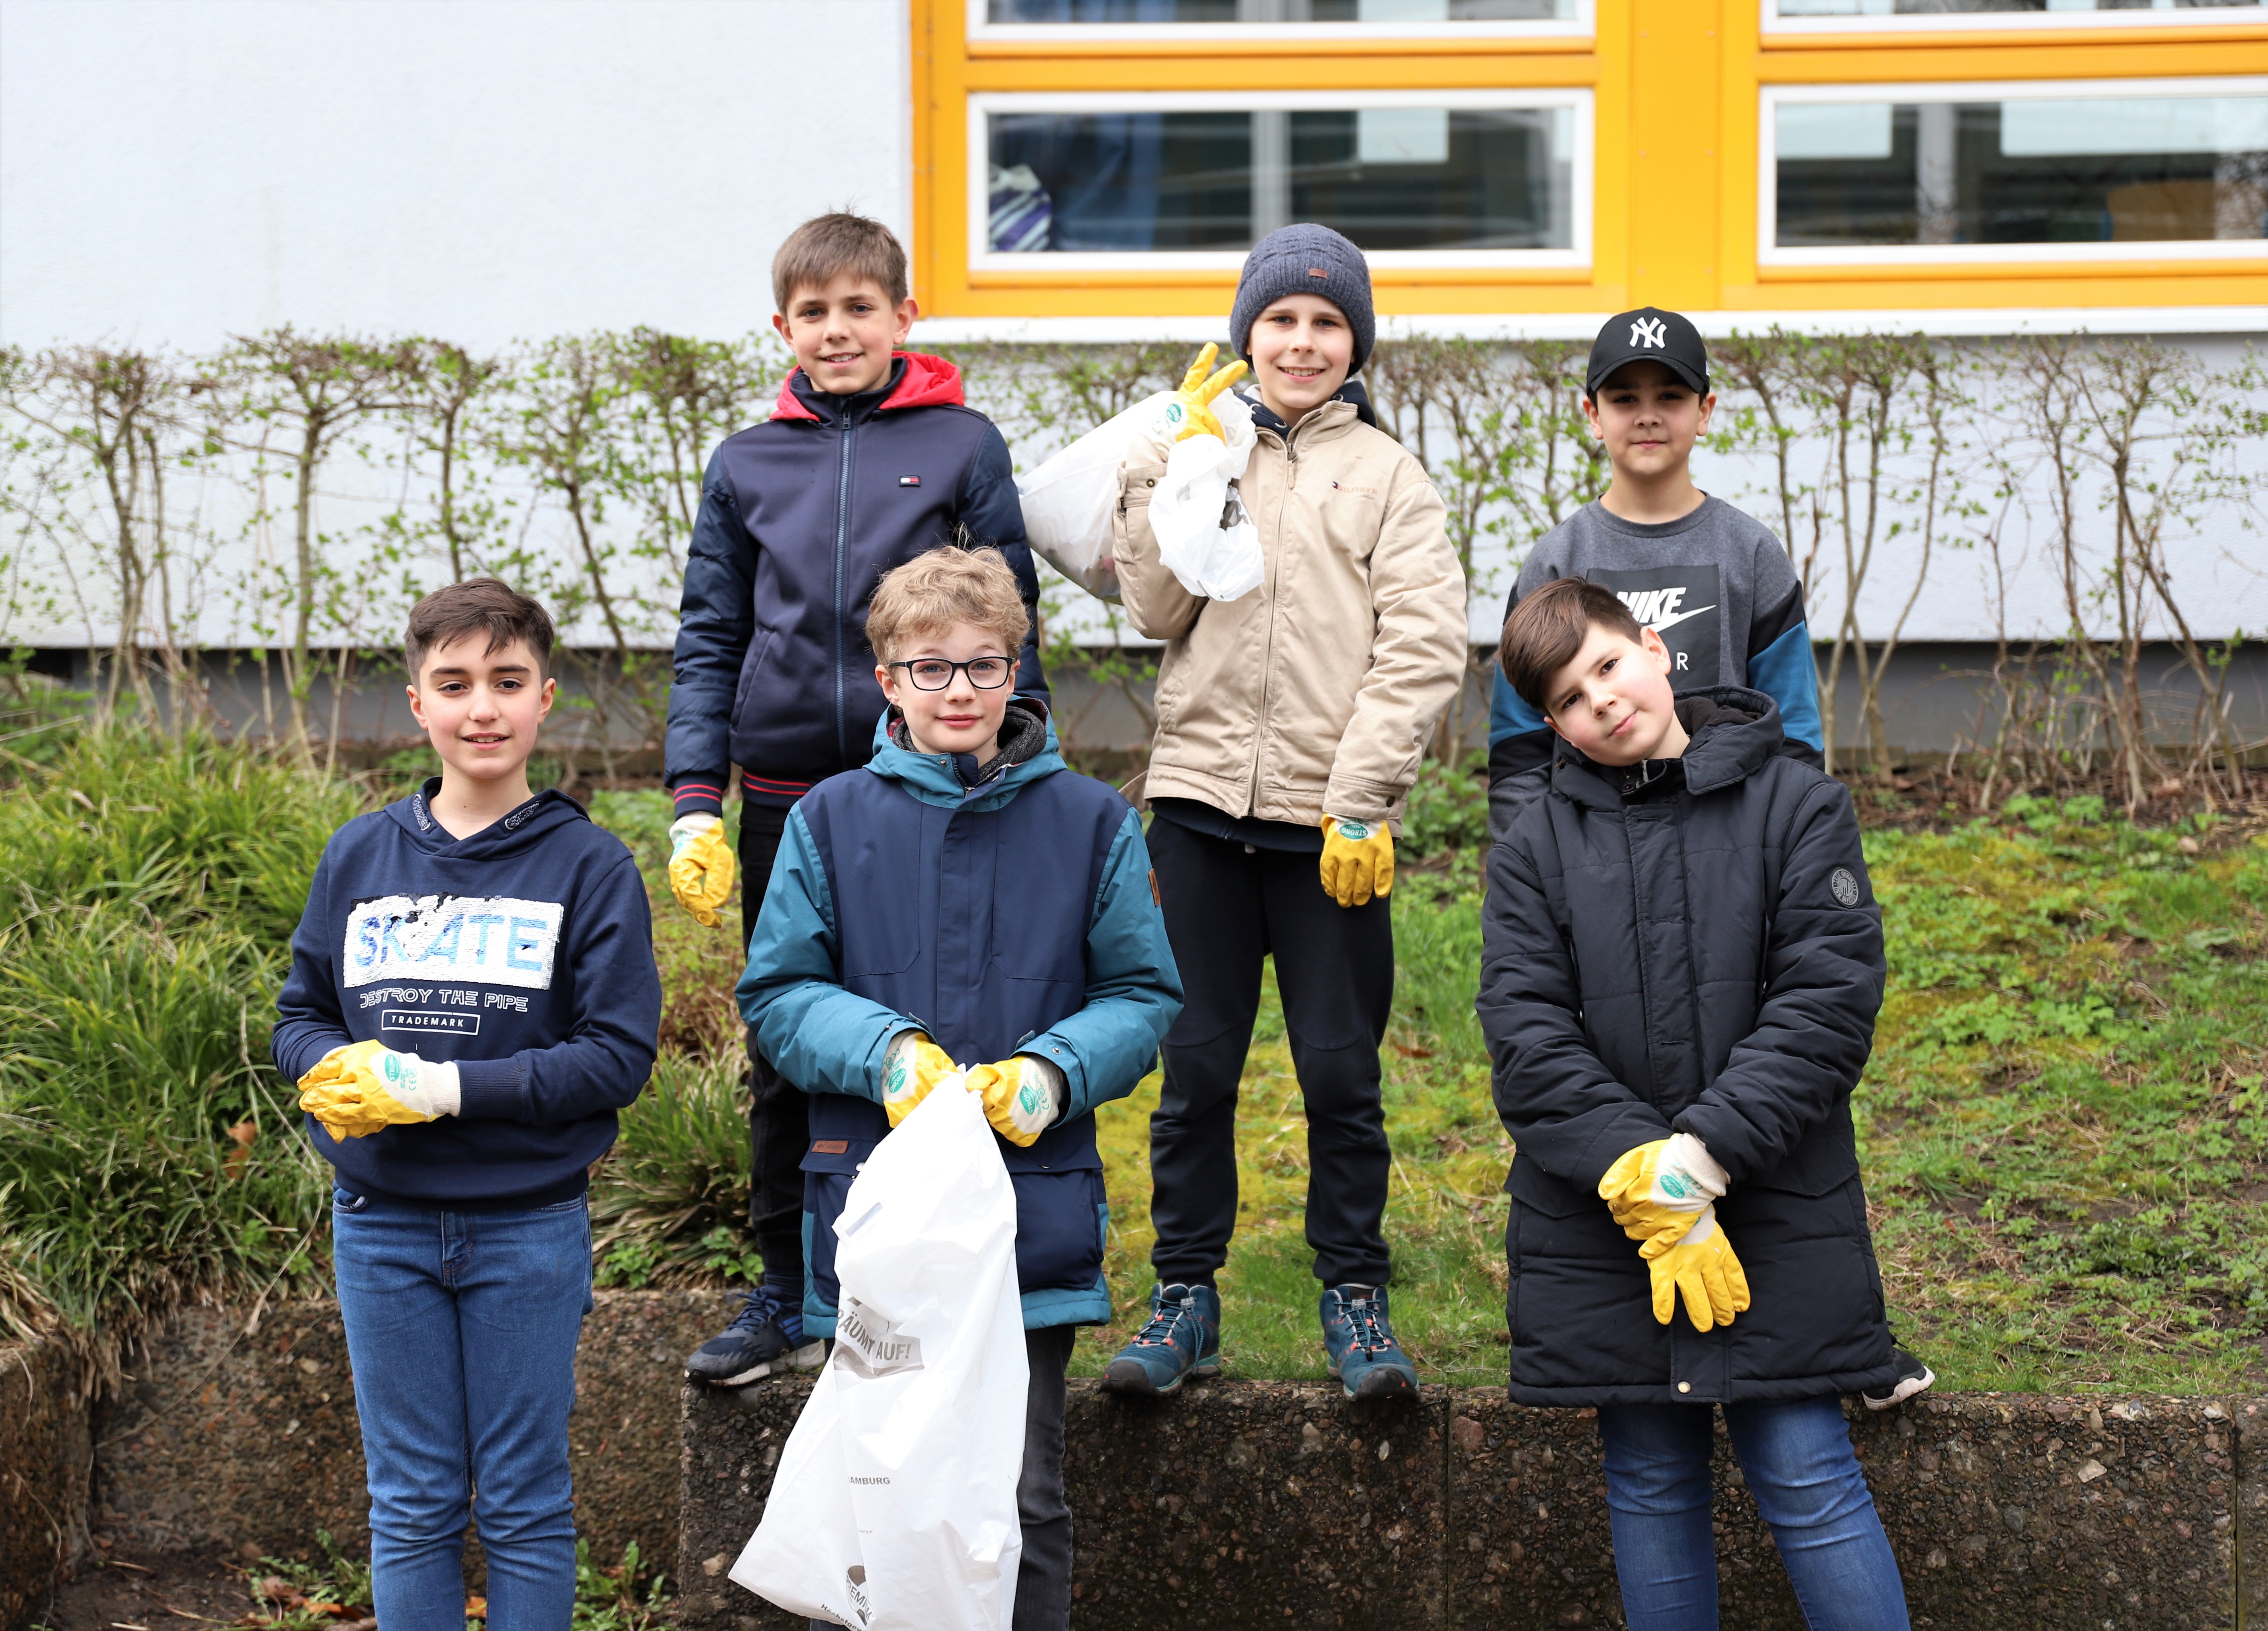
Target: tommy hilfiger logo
(1647, 334)
(909, 480)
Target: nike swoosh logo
(1667, 624)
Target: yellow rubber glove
(1357, 859)
(700, 866)
(912, 1064)
(364, 1086)
(1190, 412)
(1702, 1269)
(1658, 1190)
(1022, 1095)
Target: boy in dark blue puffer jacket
(967, 898)
(869, 458)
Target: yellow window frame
(1676, 88)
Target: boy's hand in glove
(912, 1064)
(1357, 859)
(1657, 1190)
(356, 1089)
(1700, 1267)
(1190, 412)
(1022, 1095)
(700, 866)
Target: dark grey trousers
(1043, 1582)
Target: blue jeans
(462, 1328)
(1797, 1458)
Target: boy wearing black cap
(1715, 584)
(1290, 724)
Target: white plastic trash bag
(1068, 500)
(894, 1507)
(1205, 538)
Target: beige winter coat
(1317, 691)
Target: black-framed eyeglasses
(934, 674)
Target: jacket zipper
(1268, 654)
(842, 543)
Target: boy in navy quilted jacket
(966, 903)
(869, 458)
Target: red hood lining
(929, 382)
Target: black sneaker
(765, 1338)
(1913, 1377)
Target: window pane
(2035, 170)
(1940, 8)
(1280, 11)
(1390, 178)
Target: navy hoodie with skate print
(524, 953)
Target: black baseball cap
(1648, 334)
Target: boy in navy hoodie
(472, 997)
(869, 458)
(965, 902)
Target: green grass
(2065, 1126)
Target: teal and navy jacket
(1005, 910)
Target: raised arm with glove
(1190, 411)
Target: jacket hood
(916, 380)
(1028, 751)
(547, 812)
(1734, 731)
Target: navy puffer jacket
(1700, 954)
(801, 516)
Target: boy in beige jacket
(1290, 726)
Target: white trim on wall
(1978, 322)
(2002, 22)
(1891, 256)
(1583, 26)
(983, 103)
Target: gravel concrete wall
(44, 1449)
(1278, 1503)
(248, 1439)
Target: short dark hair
(1547, 630)
(828, 244)
(478, 606)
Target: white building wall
(172, 172)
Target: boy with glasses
(967, 906)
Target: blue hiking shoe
(765, 1338)
(1182, 1341)
(1365, 1357)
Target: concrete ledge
(44, 1453)
(1281, 1504)
(250, 1441)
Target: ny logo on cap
(1647, 332)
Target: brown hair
(828, 244)
(1547, 630)
(931, 593)
(478, 606)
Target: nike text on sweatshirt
(524, 953)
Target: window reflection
(2039, 170)
(1390, 178)
(1280, 11)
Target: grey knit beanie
(1304, 259)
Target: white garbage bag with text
(894, 1507)
(1205, 538)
